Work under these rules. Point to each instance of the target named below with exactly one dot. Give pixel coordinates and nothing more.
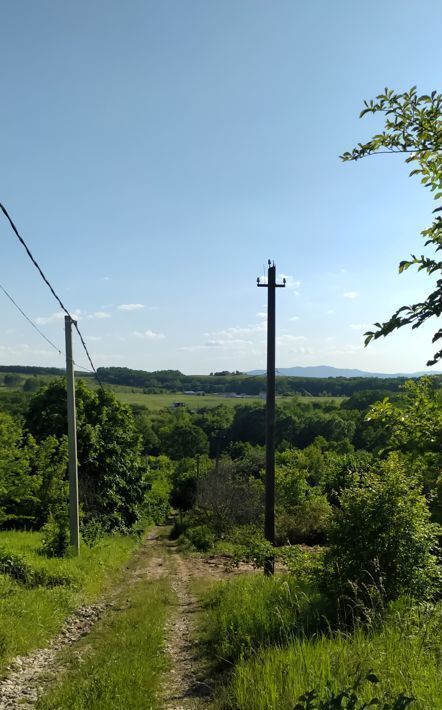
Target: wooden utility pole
(269, 515)
(74, 528)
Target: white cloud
(351, 294)
(360, 326)
(290, 282)
(98, 315)
(288, 339)
(148, 334)
(294, 318)
(330, 311)
(92, 338)
(233, 343)
(44, 320)
(238, 332)
(262, 314)
(57, 316)
(130, 307)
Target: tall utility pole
(269, 519)
(74, 528)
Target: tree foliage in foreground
(413, 126)
(111, 474)
(382, 542)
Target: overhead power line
(52, 290)
(8, 295)
(31, 322)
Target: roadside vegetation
(355, 605)
(121, 663)
(37, 593)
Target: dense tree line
(175, 381)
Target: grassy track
(31, 613)
(119, 665)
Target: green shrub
(18, 568)
(15, 566)
(248, 544)
(382, 542)
(349, 698)
(304, 565)
(92, 531)
(55, 534)
(201, 537)
(307, 523)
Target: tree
(111, 472)
(382, 542)
(415, 429)
(413, 126)
(183, 440)
(18, 491)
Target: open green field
(160, 401)
(153, 402)
(156, 402)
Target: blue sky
(156, 154)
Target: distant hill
(328, 371)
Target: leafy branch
(413, 126)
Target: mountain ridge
(329, 371)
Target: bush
(15, 567)
(308, 522)
(92, 531)
(55, 534)
(246, 543)
(349, 698)
(201, 537)
(382, 541)
(304, 565)
(225, 499)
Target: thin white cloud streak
(351, 294)
(148, 335)
(130, 307)
(55, 317)
(98, 315)
(288, 339)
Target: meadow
(38, 593)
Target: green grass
(254, 611)
(122, 658)
(281, 647)
(155, 402)
(404, 654)
(31, 615)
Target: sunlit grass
(122, 664)
(280, 645)
(30, 616)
